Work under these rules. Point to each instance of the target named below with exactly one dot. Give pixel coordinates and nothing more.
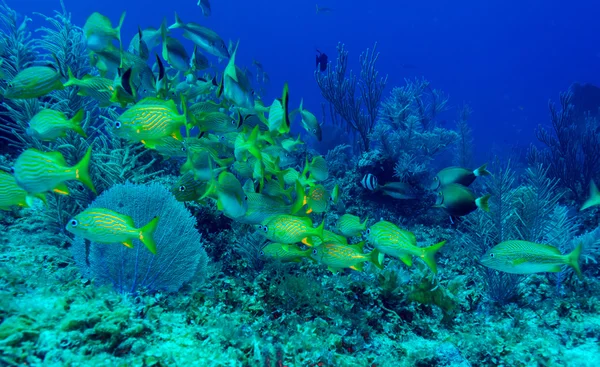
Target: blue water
(506, 59)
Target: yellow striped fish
(350, 225)
(218, 122)
(187, 188)
(284, 252)
(339, 256)
(204, 107)
(11, 194)
(318, 169)
(38, 172)
(317, 200)
(107, 226)
(99, 32)
(96, 87)
(34, 82)
(524, 257)
(262, 207)
(286, 228)
(48, 125)
(328, 236)
(150, 120)
(396, 242)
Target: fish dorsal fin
(57, 158)
(359, 246)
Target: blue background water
(504, 58)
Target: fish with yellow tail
(286, 228)
(106, 226)
(396, 242)
(49, 125)
(231, 198)
(458, 200)
(96, 87)
(328, 236)
(524, 257)
(457, 175)
(284, 252)
(350, 225)
(11, 194)
(338, 256)
(149, 120)
(39, 172)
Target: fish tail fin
(82, 171)
(482, 203)
(594, 198)
(481, 171)
(300, 198)
(252, 144)
(376, 258)
(428, 255)
(71, 79)
(118, 30)
(573, 259)
(363, 225)
(178, 22)
(285, 101)
(76, 122)
(146, 235)
(319, 229)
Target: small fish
(594, 198)
(339, 256)
(198, 61)
(205, 38)
(140, 48)
(231, 198)
(323, 9)
(322, 61)
(34, 82)
(290, 144)
(99, 32)
(187, 188)
(523, 257)
(236, 86)
(284, 252)
(396, 242)
(458, 200)
(350, 225)
(11, 194)
(170, 147)
(151, 37)
(457, 175)
(290, 229)
(204, 107)
(335, 195)
(174, 52)
(310, 123)
(203, 162)
(369, 182)
(328, 236)
(316, 200)
(261, 207)
(39, 172)
(150, 120)
(96, 87)
(48, 125)
(106, 226)
(318, 169)
(205, 7)
(218, 122)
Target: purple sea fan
(180, 254)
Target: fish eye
(440, 194)
(253, 92)
(12, 170)
(314, 131)
(492, 255)
(10, 85)
(183, 149)
(74, 223)
(265, 229)
(182, 188)
(233, 122)
(118, 124)
(246, 198)
(262, 253)
(368, 230)
(314, 251)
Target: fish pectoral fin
(555, 269)
(519, 262)
(357, 267)
(61, 189)
(128, 243)
(407, 259)
(333, 270)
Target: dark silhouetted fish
(321, 61)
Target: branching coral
(463, 155)
(17, 48)
(358, 109)
(572, 151)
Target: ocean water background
(505, 59)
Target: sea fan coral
(178, 243)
